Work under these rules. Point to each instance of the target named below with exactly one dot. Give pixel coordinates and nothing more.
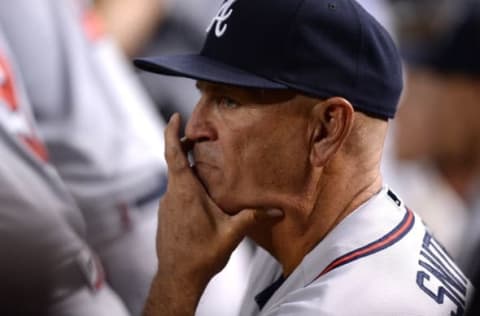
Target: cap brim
(199, 67)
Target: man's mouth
(187, 148)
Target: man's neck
(302, 229)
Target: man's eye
(227, 102)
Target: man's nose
(200, 126)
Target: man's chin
(231, 212)
(225, 203)
(216, 192)
(216, 196)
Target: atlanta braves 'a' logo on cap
(219, 21)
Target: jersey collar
(376, 225)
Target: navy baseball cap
(321, 48)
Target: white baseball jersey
(380, 260)
(101, 130)
(45, 265)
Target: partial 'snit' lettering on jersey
(439, 278)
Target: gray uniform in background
(103, 135)
(46, 268)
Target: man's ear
(334, 121)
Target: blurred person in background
(46, 267)
(182, 29)
(101, 131)
(132, 23)
(438, 126)
(414, 175)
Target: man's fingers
(174, 155)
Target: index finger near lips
(174, 155)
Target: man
(46, 267)
(285, 143)
(100, 129)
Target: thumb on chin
(249, 217)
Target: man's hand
(195, 237)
